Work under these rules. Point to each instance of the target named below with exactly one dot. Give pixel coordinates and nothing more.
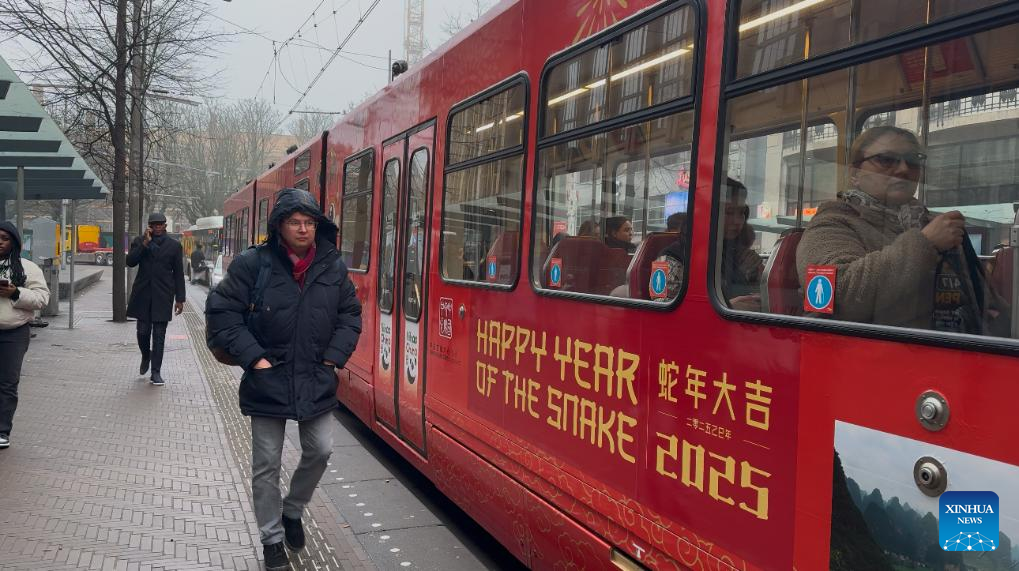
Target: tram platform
(106, 471)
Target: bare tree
(308, 125)
(81, 50)
(212, 151)
(456, 21)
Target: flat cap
(157, 217)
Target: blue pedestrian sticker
(658, 282)
(819, 295)
(555, 273)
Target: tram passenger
(289, 353)
(619, 233)
(589, 229)
(897, 263)
(673, 255)
(22, 291)
(741, 266)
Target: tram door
(400, 383)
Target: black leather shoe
(293, 533)
(275, 557)
(157, 380)
(145, 365)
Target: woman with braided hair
(22, 291)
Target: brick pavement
(107, 472)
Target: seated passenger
(619, 233)
(897, 263)
(741, 266)
(589, 229)
(673, 255)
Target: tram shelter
(37, 161)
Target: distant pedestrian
(290, 335)
(22, 291)
(158, 286)
(197, 262)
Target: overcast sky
(247, 59)
(249, 68)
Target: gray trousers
(267, 436)
(13, 345)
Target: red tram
(593, 406)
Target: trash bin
(51, 273)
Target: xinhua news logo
(968, 521)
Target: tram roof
(30, 138)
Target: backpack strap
(264, 272)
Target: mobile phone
(5, 283)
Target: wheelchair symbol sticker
(657, 282)
(555, 273)
(819, 295)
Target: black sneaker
(144, 368)
(5, 441)
(157, 380)
(275, 557)
(293, 533)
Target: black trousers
(13, 345)
(155, 330)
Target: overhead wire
(332, 58)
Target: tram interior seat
(588, 265)
(638, 275)
(505, 251)
(780, 284)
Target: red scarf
(301, 265)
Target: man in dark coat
(158, 286)
(290, 336)
(198, 263)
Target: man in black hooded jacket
(307, 323)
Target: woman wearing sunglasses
(896, 262)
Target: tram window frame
(959, 27)
(670, 109)
(386, 305)
(521, 80)
(369, 191)
(302, 163)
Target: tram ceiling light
(566, 96)
(485, 127)
(513, 117)
(650, 63)
(792, 9)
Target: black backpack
(254, 305)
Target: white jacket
(33, 295)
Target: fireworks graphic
(597, 15)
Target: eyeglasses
(295, 224)
(889, 161)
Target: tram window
(644, 67)
(415, 234)
(302, 163)
(263, 220)
(390, 191)
(355, 216)
(482, 221)
(303, 184)
(482, 198)
(489, 126)
(885, 149)
(774, 33)
(604, 205)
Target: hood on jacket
(292, 200)
(13, 231)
